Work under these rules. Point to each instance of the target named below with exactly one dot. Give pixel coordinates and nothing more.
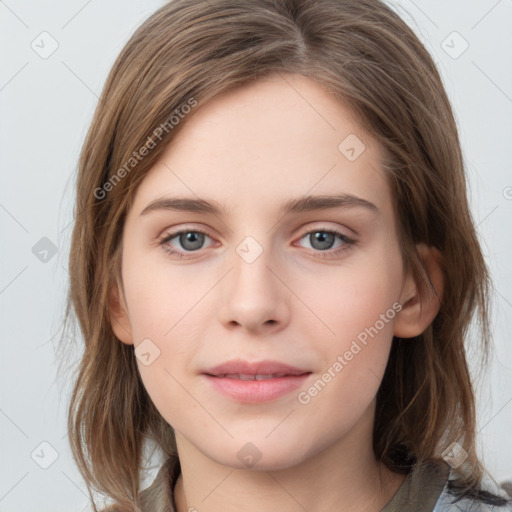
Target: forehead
(278, 138)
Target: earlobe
(119, 318)
(419, 312)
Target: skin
(251, 150)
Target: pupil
(195, 239)
(324, 239)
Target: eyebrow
(303, 204)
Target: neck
(344, 476)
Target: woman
(275, 368)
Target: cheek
(160, 295)
(354, 357)
(347, 301)
(357, 307)
(165, 305)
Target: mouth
(252, 383)
(239, 376)
(257, 370)
(256, 390)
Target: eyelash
(348, 243)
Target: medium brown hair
(366, 56)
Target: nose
(253, 296)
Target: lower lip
(257, 391)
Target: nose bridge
(252, 262)
(252, 295)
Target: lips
(252, 377)
(259, 370)
(257, 382)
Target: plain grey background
(55, 59)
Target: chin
(260, 455)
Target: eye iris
(195, 238)
(321, 236)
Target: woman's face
(317, 287)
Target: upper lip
(266, 367)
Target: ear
(119, 317)
(418, 312)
